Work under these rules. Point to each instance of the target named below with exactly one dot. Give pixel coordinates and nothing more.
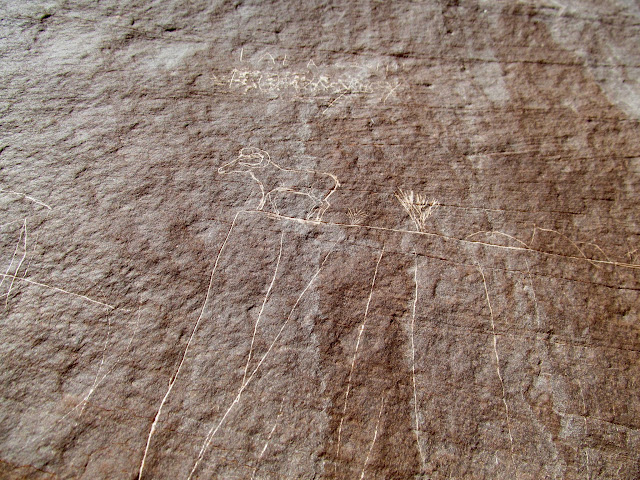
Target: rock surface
(380, 240)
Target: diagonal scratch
(355, 355)
(495, 351)
(214, 430)
(255, 328)
(173, 379)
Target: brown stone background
(502, 341)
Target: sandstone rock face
(366, 240)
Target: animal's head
(248, 159)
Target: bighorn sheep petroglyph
(279, 182)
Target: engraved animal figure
(284, 185)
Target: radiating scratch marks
(495, 351)
(212, 432)
(373, 442)
(355, 355)
(173, 379)
(266, 444)
(264, 302)
(413, 360)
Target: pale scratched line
(104, 351)
(33, 282)
(492, 232)
(35, 246)
(105, 375)
(173, 379)
(355, 354)
(591, 261)
(34, 200)
(413, 361)
(373, 442)
(15, 254)
(213, 430)
(533, 290)
(24, 254)
(586, 428)
(446, 237)
(598, 247)
(16, 221)
(266, 444)
(333, 103)
(255, 328)
(84, 401)
(495, 351)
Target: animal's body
(284, 186)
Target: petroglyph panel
(367, 240)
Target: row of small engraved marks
(303, 83)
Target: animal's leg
(325, 205)
(273, 203)
(311, 213)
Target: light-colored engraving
(22, 239)
(495, 232)
(58, 289)
(173, 379)
(214, 429)
(273, 180)
(97, 382)
(273, 60)
(24, 195)
(355, 356)
(417, 206)
(562, 235)
(266, 444)
(373, 441)
(356, 215)
(413, 360)
(264, 302)
(392, 89)
(332, 85)
(495, 352)
(585, 414)
(513, 248)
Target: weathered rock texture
(166, 318)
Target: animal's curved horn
(224, 168)
(253, 157)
